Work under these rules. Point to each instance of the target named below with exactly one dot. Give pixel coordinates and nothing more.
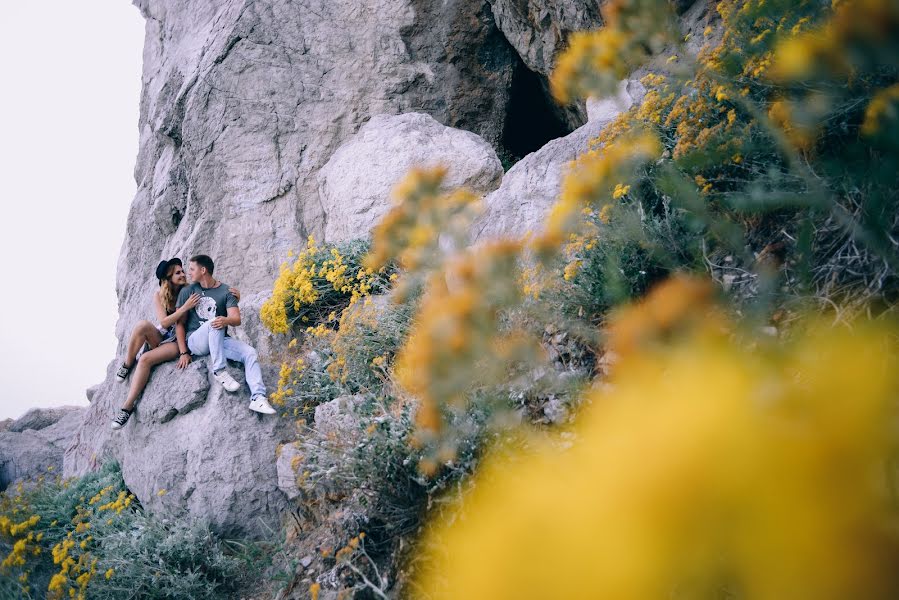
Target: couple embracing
(191, 320)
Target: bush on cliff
(88, 538)
(768, 163)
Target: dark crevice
(532, 117)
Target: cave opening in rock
(532, 118)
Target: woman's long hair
(168, 291)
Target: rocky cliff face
(264, 121)
(244, 102)
(34, 444)
(190, 448)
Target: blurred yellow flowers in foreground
(712, 470)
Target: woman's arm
(159, 309)
(181, 340)
(167, 321)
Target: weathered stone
(539, 29)
(289, 458)
(337, 419)
(243, 103)
(215, 459)
(251, 329)
(40, 418)
(335, 427)
(28, 452)
(605, 110)
(355, 185)
(530, 187)
(191, 393)
(89, 392)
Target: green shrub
(89, 538)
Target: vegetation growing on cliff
(88, 538)
(681, 386)
(765, 165)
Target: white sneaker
(260, 404)
(120, 419)
(224, 378)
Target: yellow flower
(620, 191)
(884, 106)
(571, 270)
(109, 573)
(161, 492)
(56, 582)
(707, 461)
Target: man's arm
(233, 319)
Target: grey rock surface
(335, 427)
(337, 420)
(243, 102)
(539, 29)
(251, 329)
(290, 457)
(604, 110)
(41, 418)
(212, 456)
(355, 185)
(529, 189)
(27, 452)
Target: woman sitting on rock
(152, 344)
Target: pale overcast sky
(69, 91)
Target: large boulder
(189, 447)
(41, 418)
(355, 184)
(539, 29)
(34, 444)
(253, 331)
(530, 188)
(243, 103)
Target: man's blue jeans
(213, 342)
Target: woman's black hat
(163, 268)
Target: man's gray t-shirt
(214, 302)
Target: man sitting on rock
(206, 330)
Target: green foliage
(776, 147)
(90, 539)
(347, 355)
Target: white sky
(69, 92)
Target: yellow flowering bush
(596, 61)
(319, 281)
(424, 215)
(457, 344)
(781, 131)
(707, 469)
(704, 458)
(88, 538)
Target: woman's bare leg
(148, 360)
(144, 332)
